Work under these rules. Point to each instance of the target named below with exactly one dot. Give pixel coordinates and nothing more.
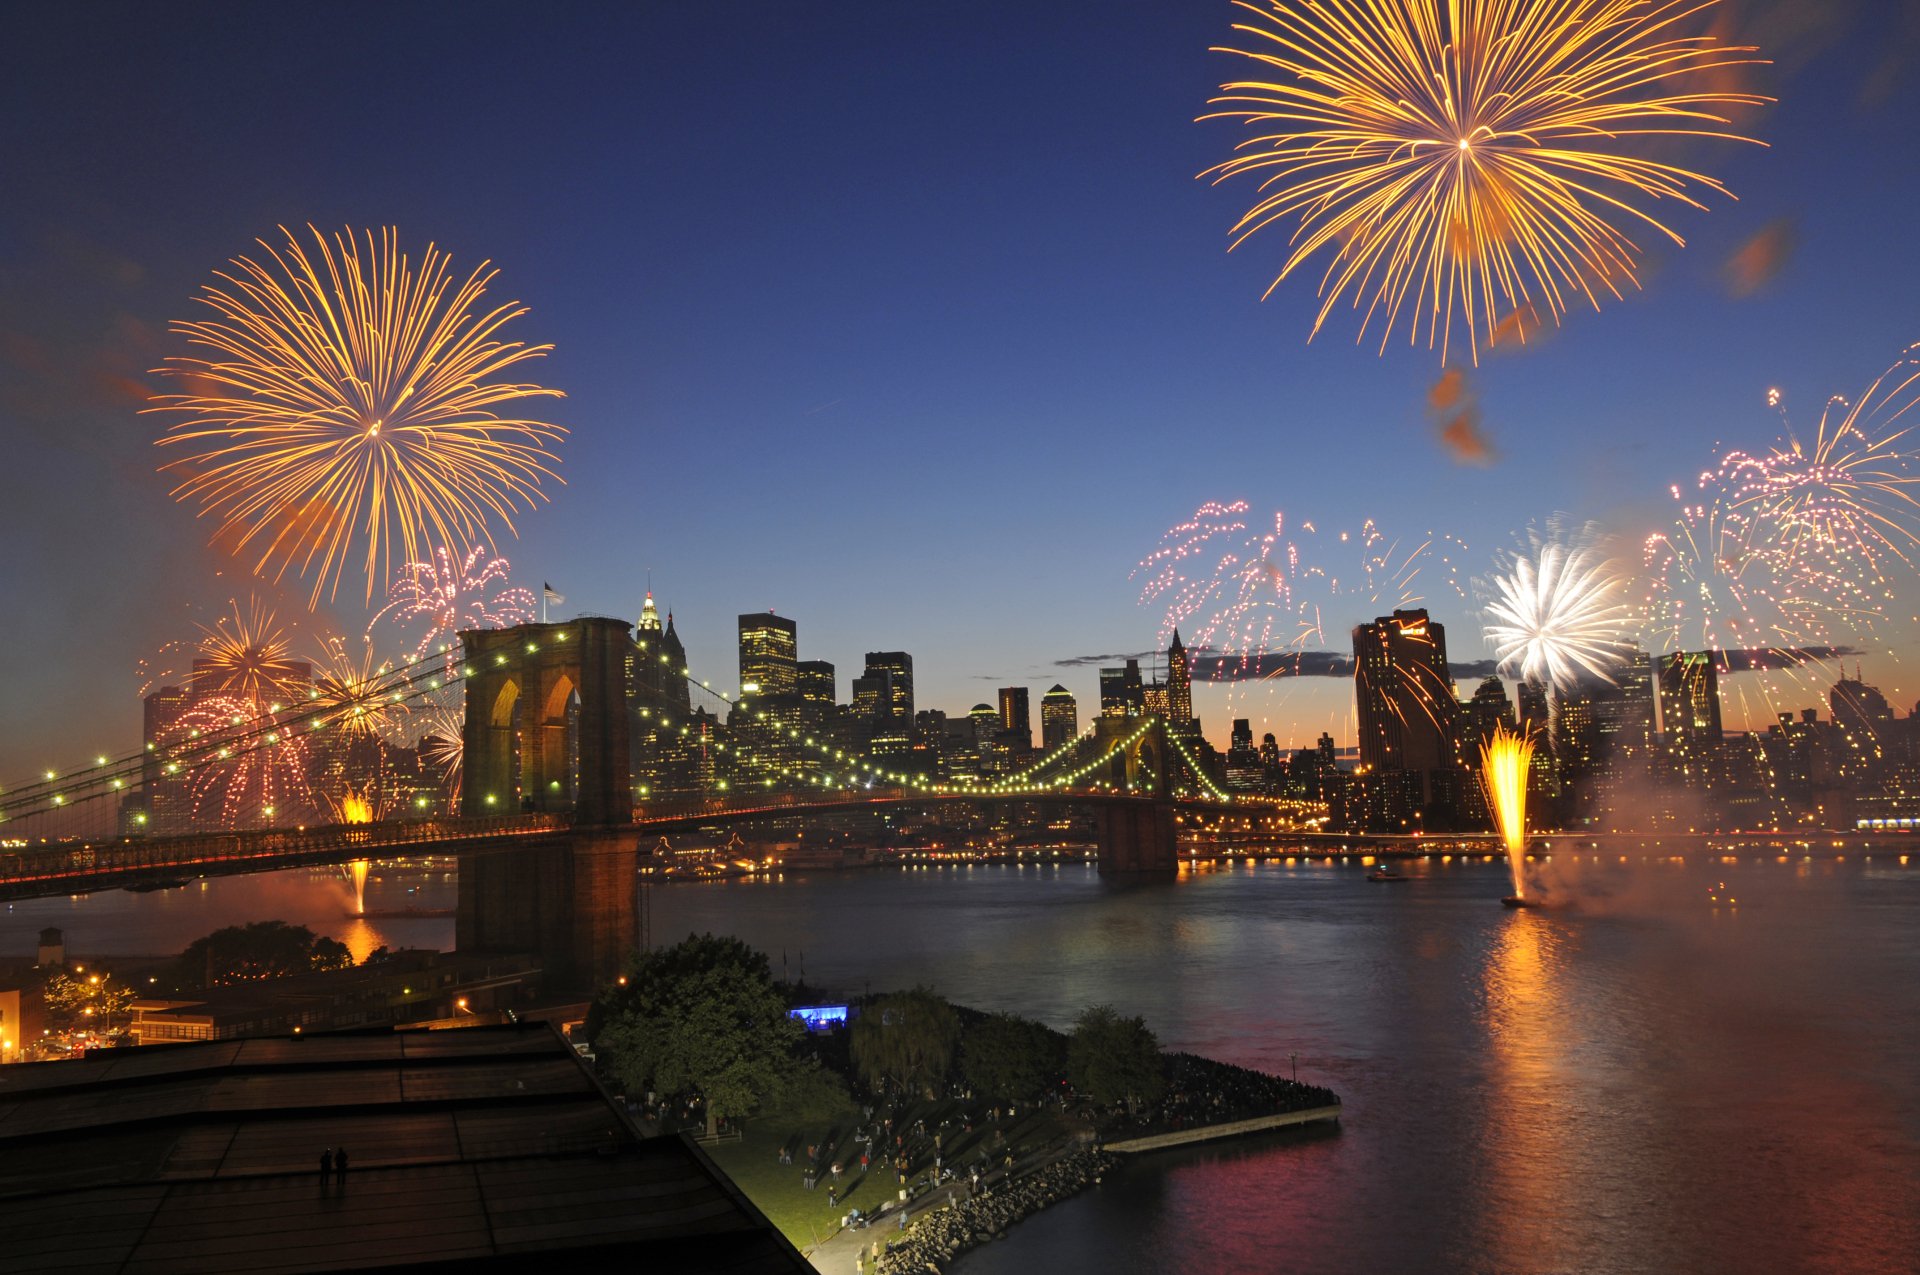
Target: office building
(1059, 717)
(768, 646)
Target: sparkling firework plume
(443, 746)
(1850, 495)
(1246, 594)
(349, 401)
(245, 655)
(358, 698)
(444, 597)
(239, 765)
(1557, 611)
(1463, 158)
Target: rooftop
(477, 1146)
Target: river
(1650, 1081)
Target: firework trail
(358, 699)
(1557, 611)
(445, 597)
(1459, 158)
(1852, 494)
(237, 767)
(443, 746)
(349, 400)
(1245, 594)
(245, 654)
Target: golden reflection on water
(1529, 1126)
(361, 939)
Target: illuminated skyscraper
(815, 682)
(889, 685)
(1404, 694)
(768, 645)
(1015, 719)
(1179, 688)
(1121, 694)
(1059, 717)
(1690, 715)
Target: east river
(1650, 1081)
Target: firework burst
(244, 655)
(240, 765)
(350, 401)
(1463, 158)
(445, 597)
(1248, 594)
(443, 746)
(1557, 611)
(1849, 495)
(356, 697)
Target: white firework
(1558, 612)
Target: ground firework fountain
(1504, 762)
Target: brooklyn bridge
(551, 823)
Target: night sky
(908, 321)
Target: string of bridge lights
(403, 683)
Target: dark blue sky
(908, 321)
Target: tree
(261, 950)
(1009, 1058)
(702, 1016)
(1113, 1059)
(906, 1039)
(92, 1002)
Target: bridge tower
(1138, 838)
(546, 730)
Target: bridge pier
(569, 898)
(1137, 839)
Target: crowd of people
(1201, 1092)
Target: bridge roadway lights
(569, 898)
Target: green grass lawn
(803, 1216)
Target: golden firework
(1468, 157)
(1504, 761)
(350, 400)
(246, 656)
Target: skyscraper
(1179, 689)
(1690, 715)
(1059, 717)
(1404, 694)
(1014, 717)
(889, 674)
(814, 680)
(768, 645)
(1121, 693)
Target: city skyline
(1023, 386)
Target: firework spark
(443, 746)
(1851, 493)
(350, 401)
(1471, 156)
(446, 597)
(1244, 594)
(1557, 611)
(1504, 761)
(356, 697)
(240, 765)
(244, 655)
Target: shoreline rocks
(942, 1235)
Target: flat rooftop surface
(477, 1146)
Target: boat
(1384, 873)
(1518, 901)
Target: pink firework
(1287, 589)
(447, 598)
(240, 764)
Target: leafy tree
(1008, 1058)
(906, 1039)
(701, 1016)
(261, 950)
(812, 1095)
(92, 1002)
(1113, 1059)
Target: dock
(1231, 1129)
